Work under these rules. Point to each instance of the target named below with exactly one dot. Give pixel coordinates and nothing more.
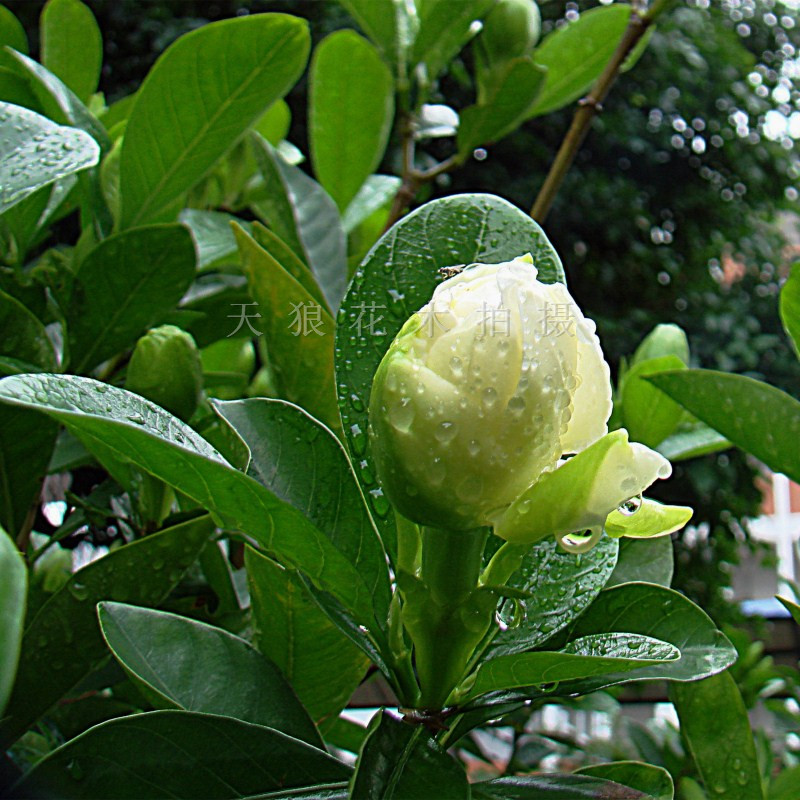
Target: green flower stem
(402, 667)
(409, 545)
(504, 563)
(445, 611)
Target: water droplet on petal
(631, 506)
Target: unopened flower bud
(664, 340)
(484, 392)
(165, 368)
(510, 30)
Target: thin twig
(591, 105)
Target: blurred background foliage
(678, 208)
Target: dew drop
(445, 432)
(137, 418)
(516, 405)
(631, 506)
(78, 590)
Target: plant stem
(591, 105)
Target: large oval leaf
(576, 55)
(24, 343)
(192, 666)
(72, 45)
(13, 585)
(663, 614)
(203, 93)
(351, 106)
(559, 587)
(124, 286)
(62, 642)
(304, 464)
(133, 430)
(398, 277)
(322, 665)
(398, 762)
(598, 654)
(197, 755)
(715, 725)
(35, 152)
(753, 415)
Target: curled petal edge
(581, 493)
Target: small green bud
(511, 29)
(663, 340)
(165, 368)
(228, 365)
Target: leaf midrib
(234, 96)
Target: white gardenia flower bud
(485, 390)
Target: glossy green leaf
(137, 431)
(662, 614)
(213, 237)
(12, 33)
(196, 667)
(790, 306)
(560, 587)
(653, 781)
(204, 92)
(398, 277)
(762, 420)
(715, 725)
(26, 224)
(23, 339)
(650, 519)
(576, 55)
(275, 122)
(792, 608)
(35, 152)
(513, 95)
(71, 45)
(699, 440)
(298, 331)
(123, 286)
(26, 442)
(400, 761)
(302, 214)
(303, 463)
(444, 28)
(13, 587)
(391, 24)
(351, 107)
(374, 193)
(554, 787)
(197, 755)
(648, 560)
(56, 100)
(783, 786)
(648, 415)
(596, 654)
(323, 666)
(62, 642)
(289, 260)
